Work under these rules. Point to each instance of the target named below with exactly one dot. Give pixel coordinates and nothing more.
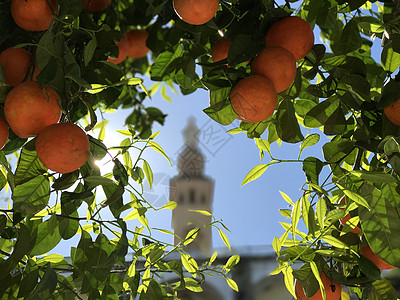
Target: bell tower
(192, 190)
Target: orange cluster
(254, 98)
(32, 111)
(132, 44)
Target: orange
(347, 217)
(254, 98)
(3, 132)
(95, 5)
(123, 48)
(62, 147)
(220, 49)
(28, 109)
(137, 43)
(278, 65)
(293, 34)
(381, 264)
(331, 292)
(196, 12)
(33, 15)
(392, 112)
(36, 71)
(15, 62)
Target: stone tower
(192, 190)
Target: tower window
(192, 196)
(180, 198)
(203, 199)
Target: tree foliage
(337, 98)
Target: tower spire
(192, 191)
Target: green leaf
(213, 258)
(134, 81)
(335, 242)
(224, 115)
(203, 212)
(89, 50)
(165, 64)
(336, 123)
(169, 205)
(233, 285)
(21, 248)
(354, 196)
(286, 198)
(32, 196)
(30, 279)
(256, 172)
(148, 173)
(377, 177)
(96, 88)
(135, 214)
(389, 58)
(232, 261)
(93, 181)
(321, 211)
(277, 245)
(381, 222)
(288, 128)
(224, 238)
(47, 237)
(192, 285)
(218, 98)
(319, 114)
(289, 279)
(189, 263)
(47, 282)
(350, 39)
(358, 84)
(315, 271)
(296, 213)
(51, 258)
(308, 215)
(310, 140)
(159, 149)
(191, 236)
(29, 165)
(312, 167)
(383, 290)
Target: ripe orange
(137, 43)
(36, 71)
(33, 15)
(15, 62)
(278, 65)
(254, 98)
(380, 263)
(292, 33)
(220, 49)
(28, 109)
(123, 48)
(392, 112)
(62, 147)
(347, 217)
(331, 292)
(3, 132)
(95, 5)
(196, 12)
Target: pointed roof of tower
(191, 160)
